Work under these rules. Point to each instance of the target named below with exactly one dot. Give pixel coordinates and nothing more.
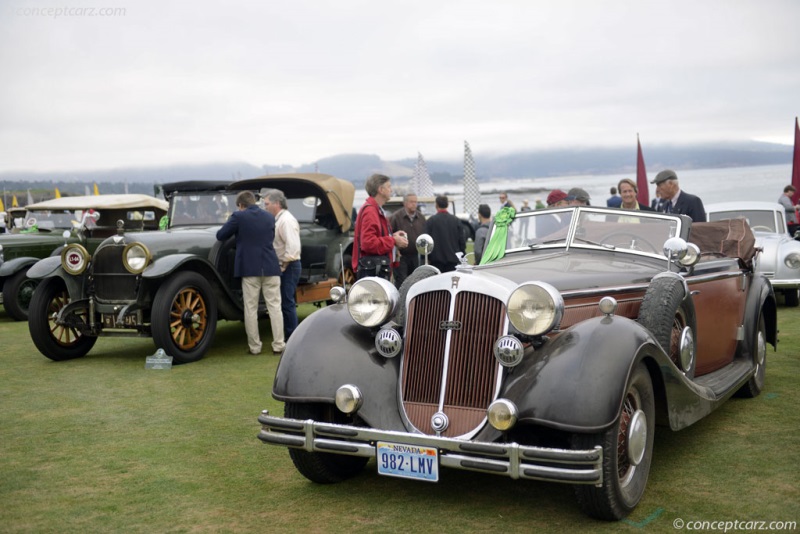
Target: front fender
(328, 350)
(46, 268)
(577, 381)
(169, 264)
(13, 266)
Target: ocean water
(762, 183)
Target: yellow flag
(14, 203)
(96, 191)
(58, 193)
(2, 207)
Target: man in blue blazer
(673, 200)
(257, 265)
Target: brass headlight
(372, 301)
(136, 257)
(535, 308)
(75, 259)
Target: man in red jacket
(373, 235)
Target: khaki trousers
(270, 287)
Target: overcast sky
(294, 81)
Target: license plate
(408, 461)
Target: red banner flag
(796, 164)
(641, 176)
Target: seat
(313, 263)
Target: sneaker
(254, 352)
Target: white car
(780, 259)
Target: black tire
(791, 298)
(420, 273)
(322, 467)
(184, 317)
(17, 294)
(665, 313)
(623, 482)
(55, 341)
(755, 385)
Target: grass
(100, 444)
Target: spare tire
(420, 273)
(666, 311)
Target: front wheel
(17, 294)
(57, 341)
(627, 453)
(184, 317)
(322, 467)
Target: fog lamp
(608, 305)
(502, 414)
(348, 399)
(337, 294)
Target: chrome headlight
(372, 301)
(74, 259)
(136, 257)
(792, 260)
(535, 308)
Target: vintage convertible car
(175, 285)
(44, 228)
(779, 260)
(553, 360)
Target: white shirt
(287, 238)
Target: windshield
(582, 227)
(759, 221)
(201, 208)
(49, 220)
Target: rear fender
(328, 350)
(577, 381)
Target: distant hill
(357, 167)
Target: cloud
(291, 82)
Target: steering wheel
(628, 240)
(763, 228)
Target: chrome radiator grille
(463, 380)
(112, 282)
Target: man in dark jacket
(256, 263)
(411, 221)
(673, 200)
(445, 229)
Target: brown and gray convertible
(555, 360)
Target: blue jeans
(289, 279)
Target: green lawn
(100, 444)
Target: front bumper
(507, 459)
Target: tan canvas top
(100, 202)
(340, 193)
